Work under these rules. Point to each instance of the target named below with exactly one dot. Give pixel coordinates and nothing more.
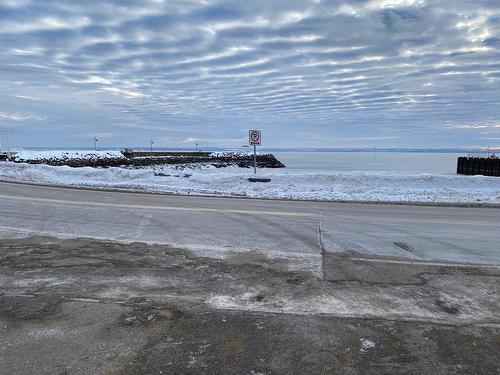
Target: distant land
(291, 149)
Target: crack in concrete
(322, 248)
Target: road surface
(214, 226)
(285, 287)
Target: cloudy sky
(309, 73)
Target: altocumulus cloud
(309, 73)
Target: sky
(308, 73)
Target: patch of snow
(285, 183)
(44, 280)
(366, 344)
(236, 153)
(44, 332)
(351, 303)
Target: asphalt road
(303, 287)
(214, 226)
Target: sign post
(254, 138)
(254, 160)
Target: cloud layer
(309, 73)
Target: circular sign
(254, 137)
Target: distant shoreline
(272, 149)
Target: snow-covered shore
(285, 184)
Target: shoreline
(226, 176)
(222, 196)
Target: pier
(478, 166)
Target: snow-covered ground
(286, 183)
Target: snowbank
(232, 181)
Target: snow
(285, 183)
(366, 344)
(21, 155)
(347, 303)
(238, 153)
(43, 332)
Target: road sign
(254, 140)
(254, 137)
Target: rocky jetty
(128, 159)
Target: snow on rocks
(105, 159)
(27, 155)
(70, 158)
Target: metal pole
(254, 159)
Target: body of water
(408, 162)
(327, 161)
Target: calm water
(410, 162)
(435, 163)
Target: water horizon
(452, 150)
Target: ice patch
(366, 344)
(44, 332)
